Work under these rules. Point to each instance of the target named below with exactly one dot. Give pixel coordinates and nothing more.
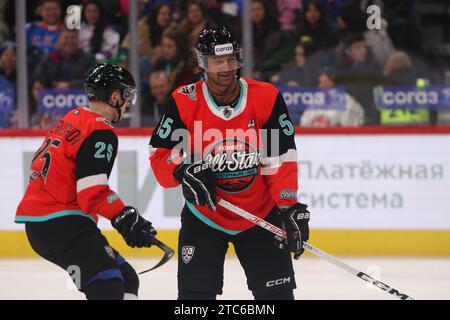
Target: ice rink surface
(421, 278)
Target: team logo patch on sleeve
(190, 91)
(187, 252)
(112, 197)
(288, 194)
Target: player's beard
(223, 84)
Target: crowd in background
(296, 43)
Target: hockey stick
(168, 253)
(316, 251)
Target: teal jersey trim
(241, 92)
(59, 214)
(207, 221)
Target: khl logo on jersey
(187, 252)
(227, 111)
(190, 91)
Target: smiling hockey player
(238, 144)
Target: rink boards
(369, 190)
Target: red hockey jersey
(249, 145)
(69, 172)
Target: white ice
(421, 278)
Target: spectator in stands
(8, 65)
(96, 37)
(115, 13)
(314, 26)
(404, 28)
(351, 116)
(352, 20)
(331, 8)
(66, 67)
(151, 28)
(44, 34)
(121, 59)
(195, 21)
(7, 81)
(288, 11)
(178, 8)
(4, 28)
(270, 48)
(160, 89)
(224, 13)
(399, 71)
(297, 73)
(360, 73)
(37, 121)
(174, 60)
(63, 69)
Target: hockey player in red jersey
(68, 188)
(230, 137)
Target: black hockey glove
(295, 221)
(198, 182)
(136, 231)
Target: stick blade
(168, 254)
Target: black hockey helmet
(217, 42)
(103, 79)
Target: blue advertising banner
(301, 98)
(433, 97)
(7, 101)
(61, 101)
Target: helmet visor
(130, 94)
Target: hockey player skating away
(68, 188)
(193, 146)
